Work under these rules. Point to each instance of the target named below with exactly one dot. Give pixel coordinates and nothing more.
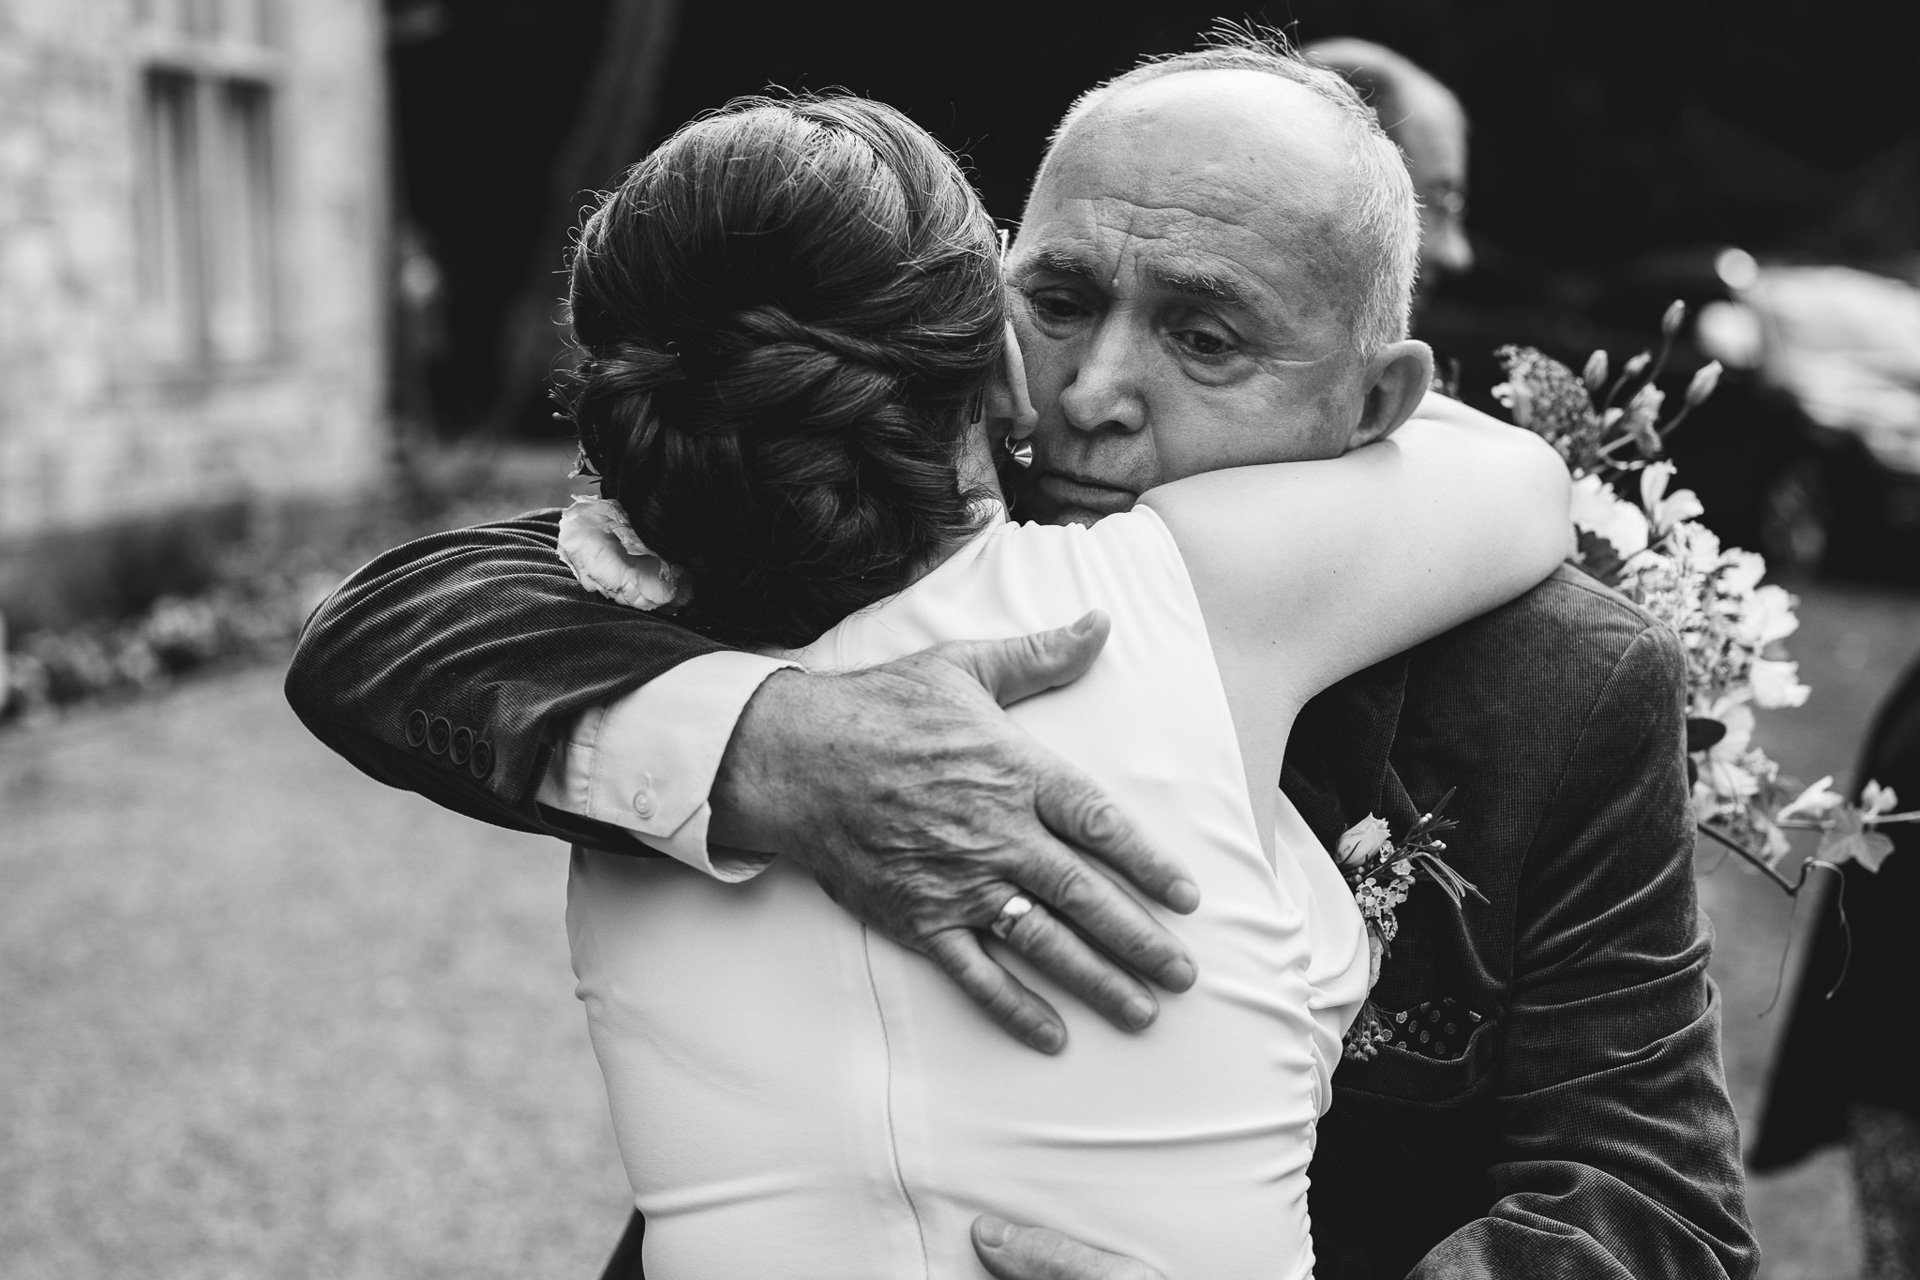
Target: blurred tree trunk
(616, 119)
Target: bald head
(1290, 134)
(1251, 116)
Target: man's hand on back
(921, 809)
(1034, 1253)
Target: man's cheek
(1311, 414)
(1036, 348)
(1049, 367)
(1196, 441)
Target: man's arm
(1616, 1151)
(454, 666)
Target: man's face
(1433, 134)
(1183, 291)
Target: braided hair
(784, 315)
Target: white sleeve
(647, 762)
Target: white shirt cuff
(647, 762)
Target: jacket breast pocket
(1416, 1073)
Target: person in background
(1847, 1064)
(1428, 124)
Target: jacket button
(439, 734)
(643, 802)
(480, 764)
(416, 728)
(462, 745)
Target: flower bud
(1643, 413)
(1876, 800)
(1703, 383)
(1638, 365)
(1517, 398)
(1596, 371)
(1670, 322)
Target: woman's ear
(1397, 380)
(1007, 397)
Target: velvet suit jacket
(1566, 1113)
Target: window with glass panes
(206, 206)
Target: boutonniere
(1381, 872)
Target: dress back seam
(893, 1134)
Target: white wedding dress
(795, 1096)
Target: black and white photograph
(1044, 641)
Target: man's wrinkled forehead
(1239, 161)
(1262, 135)
(1174, 248)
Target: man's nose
(1104, 394)
(1446, 250)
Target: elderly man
(1429, 126)
(1205, 239)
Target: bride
(797, 371)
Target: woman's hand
(922, 809)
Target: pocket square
(1433, 1028)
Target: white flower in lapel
(607, 556)
(1362, 840)
(1381, 872)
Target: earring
(1019, 452)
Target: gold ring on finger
(1011, 913)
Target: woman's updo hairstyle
(784, 315)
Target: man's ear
(1007, 396)
(1397, 379)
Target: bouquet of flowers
(1650, 546)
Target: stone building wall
(193, 231)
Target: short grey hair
(1384, 211)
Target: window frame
(179, 332)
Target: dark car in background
(1809, 451)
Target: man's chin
(1056, 499)
(1078, 515)
(1059, 513)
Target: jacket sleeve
(451, 665)
(1617, 1151)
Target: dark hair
(784, 314)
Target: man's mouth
(1088, 495)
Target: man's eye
(1204, 342)
(1056, 306)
